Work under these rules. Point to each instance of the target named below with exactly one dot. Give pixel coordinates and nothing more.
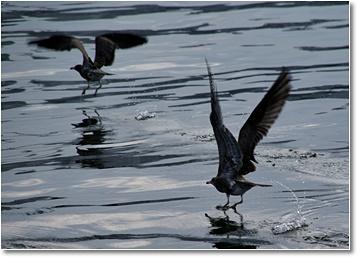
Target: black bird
(235, 157)
(106, 45)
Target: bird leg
(241, 217)
(100, 86)
(85, 114)
(84, 90)
(226, 216)
(234, 206)
(226, 205)
(99, 117)
(228, 200)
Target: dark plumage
(236, 157)
(106, 45)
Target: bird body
(90, 73)
(106, 45)
(236, 157)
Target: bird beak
(72, 68)
(208, 182)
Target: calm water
(141, 183)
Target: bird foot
(235, 205)
(223, 208)
(227, 207)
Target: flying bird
(106, 45)
(236, 157)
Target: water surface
(132, 183)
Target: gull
(106, 45)
(236, 157)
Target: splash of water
(144, 115)
(299, 207)
(290, 223)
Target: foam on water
(144, 115)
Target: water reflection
(92, 133)
(89, 121)
(223, 225)
(236, 235)
(92, 130)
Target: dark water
(131, 183)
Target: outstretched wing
(229, 154)
(262, 118)
(106, 45)
(61, 43)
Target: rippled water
(140, 183)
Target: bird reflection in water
(223, 225)
(89, 121)
(92, 133)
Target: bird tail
(244, 180)
(263, 185)
(101, 72)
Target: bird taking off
(236, 157)
(106, 45)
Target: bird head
(211, 182)
(78, 68)
(221, 184)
